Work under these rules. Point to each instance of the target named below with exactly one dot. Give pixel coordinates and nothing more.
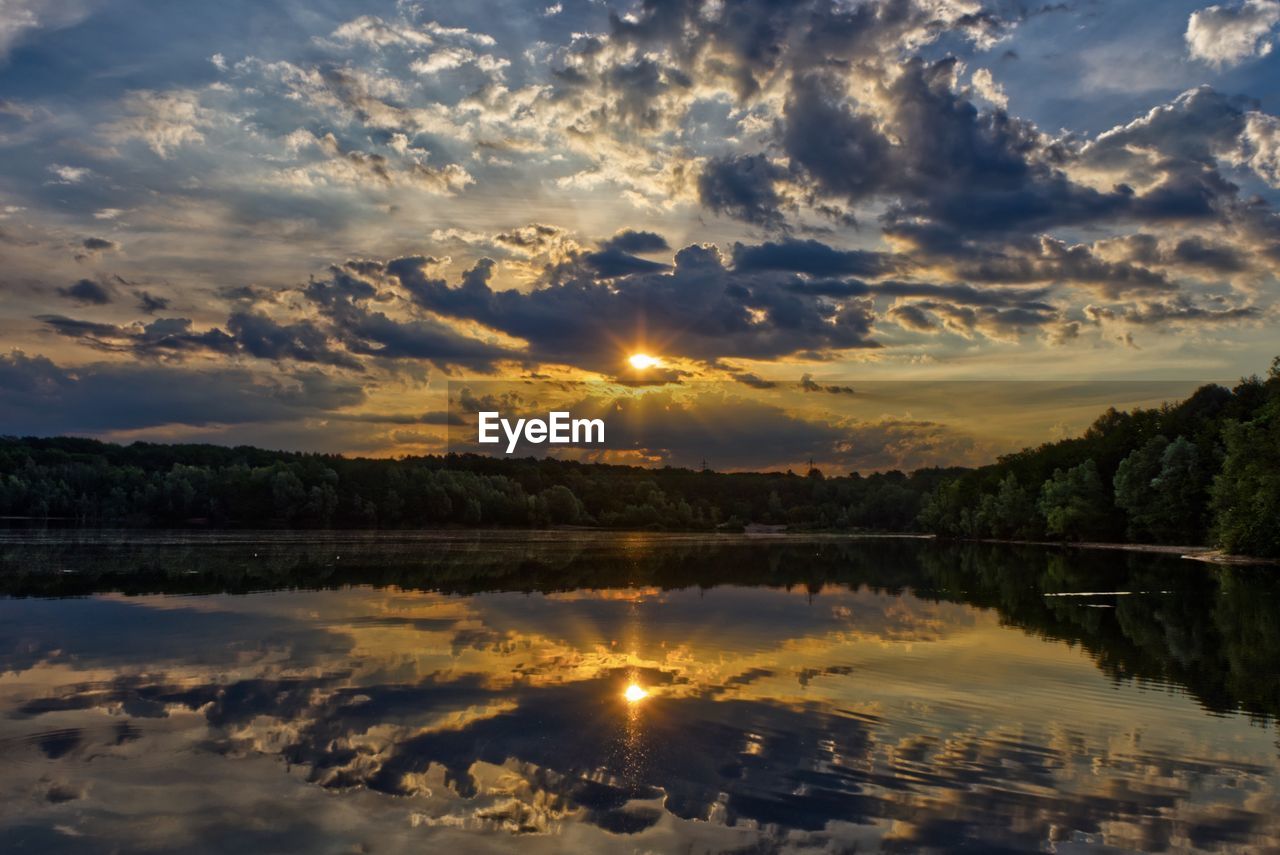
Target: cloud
(373, 32)
(1195, 128)
(633, 241)
(613, 262)
(913, 317)
(38, 396)
(939, 158)
(966, 321)
(359, 168)
(808, 384)
(1215, 257)
(1180, 311)
(1261, 146)
(1229, 34)
(92, 247)
(172, 336)
(345, 300)
(265, 338)
(150, 304)
(23, 18)
(746, 378)
(247, 333)
(1051, 260)
(987, 88)
(699, 309)
(165, 121)
(743, 186)
(1176, 149)
(808, 256)
(69, 174)
(87, 292)
(532, 239)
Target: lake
(604, 692)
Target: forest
(1204, 471)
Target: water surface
(386, 693)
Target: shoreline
(1204, 554)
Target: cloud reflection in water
(895, 696)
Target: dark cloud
(1051, 260)
(746, 378)
(149, 303)
(91, 247)
(40, 397)
(840, 151)
(161, 336)
(633, 241)
(743, 187)
(1215, 257)
(991, 321)
(613, 262)
(344, 298)
(808, 384)
(87, 292)
(967, 295)
(811, 257)
(532, 239)
(938, 159)
(913, 317)
(1180, 310)
(699, 309)
(247, 333)
(260, 336)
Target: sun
(635, 694)
(641, 361)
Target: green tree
(1075, 504)
(1009, 512)
(1135, 493)
(1160, 487)
(1179, 490)
(322, 501)
(1246, 494)
(287, 494)
(563, 506)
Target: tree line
(1206, 470)
(1203, 471)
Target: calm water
(386, 693)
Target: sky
(299, 225)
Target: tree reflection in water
(883, 693)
